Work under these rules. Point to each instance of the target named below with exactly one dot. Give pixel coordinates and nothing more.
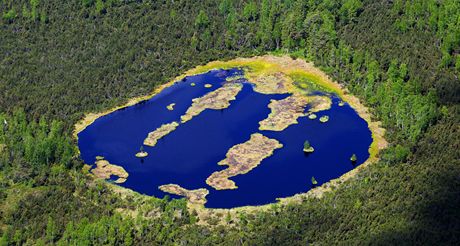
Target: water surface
(188, 155)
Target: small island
(353, 158)
(241, 159)
(324, 119)
(160, 132)
(197, 196)
(312, 116)
(217, 99)
(141, 153)
(104, 170)
(285, 112)
(170, 107)
(207, 85)
(192, 84)
(307, 148)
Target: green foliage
(306, 144)
(10, 15)
(433, 16)
(400, 57)
(225, 7)
(349, 9)
(353, 158)
(25, 12)
(202, 20)
(99, 6)
(40, 143)
(87, 3)
(250, 11)
(34, 11)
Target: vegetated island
(104, 170)
(217, 99)
(241, 159)
(324, 119)
(285, 112)
(141, 154)
(160, 132)
(197, 196)
(170, 107)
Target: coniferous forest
(62, 59)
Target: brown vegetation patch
(285, 112)
(197, 196)
(275, 83)
(218, 99)
(160, 132)
(241, 159)
(104, 170)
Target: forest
(60, 60)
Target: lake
(188, 155)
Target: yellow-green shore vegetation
(304, 76)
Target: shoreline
(253, 67)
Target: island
(217, 99)
(324, 119)
(160, 132)
(170, 107)
(241, 159)
(307, 148)
(197, 196)
(207, 85)
(104, 170)
(285, 112)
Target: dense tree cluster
(60, 60)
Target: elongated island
(241, 159)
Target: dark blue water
(188, 155)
